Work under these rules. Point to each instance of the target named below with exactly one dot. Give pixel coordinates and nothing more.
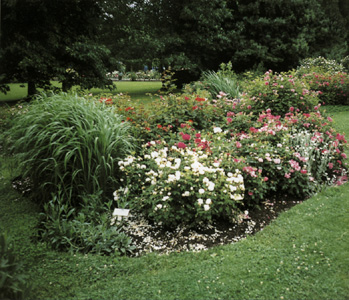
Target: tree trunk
(66, 85)
(31, 89)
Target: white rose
(217, 130)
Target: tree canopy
(42, 40)
(201, 34)
(79, 41)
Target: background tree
(200, 34)
(46, 39)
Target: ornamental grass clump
(218, 82)
(68, 143)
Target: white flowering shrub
(175, 184)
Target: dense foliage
(200, 34)
(12, 278)
(41, 41)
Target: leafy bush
(319, 65)
(181, 182)
(345, 63)
(12, 279)
(88, 230)
(327, 77)
(279, 92)
(70, 143)
(333, 88)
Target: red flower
(181, 145)
(229, 120)
(186, 98)
(198, 135)
(304, 171)
(238, 145)
(200, 99)
(106, 100)
(129, 108)
(186, 137)
(197, 141)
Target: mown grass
(137, 90)
(301, 255)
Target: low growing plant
(87, 230)
(12, 278)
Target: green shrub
(12, 279)
(333, 88)
(319, 65)
(179, 181)
(70, 143)
(328, 77)
(345, 63)
(87, 230)
(278, 92)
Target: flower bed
(204, 159)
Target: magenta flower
(186, 137)
(181, 145)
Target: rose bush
(180, 181)
(204, 159)
(279, 92)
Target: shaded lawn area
(136, 89)
(303, 254)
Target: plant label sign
(121, 213)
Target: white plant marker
(121, 213)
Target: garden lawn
(138, 90)
(303, 254)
